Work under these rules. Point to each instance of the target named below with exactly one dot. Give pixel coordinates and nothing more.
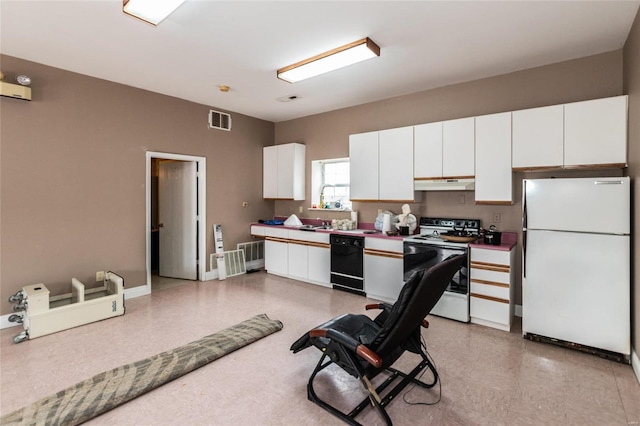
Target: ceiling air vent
(219, 120)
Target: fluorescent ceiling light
(152, 11)
(337, 58)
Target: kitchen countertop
(508, 241)
(362, 230)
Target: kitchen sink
(314, 227)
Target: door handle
(524, 253)
(161, 225)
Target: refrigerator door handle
(524, 228)
(608, 182)
(524, 204)
(524, 253)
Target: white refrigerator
(576, 274)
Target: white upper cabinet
(363, 163)
(595, 132)
(381, 165)
(270, 172)
(284, 171)
(576, 135)
(395, 164)
(458, 148)
(494, 183)
(538, 137)
(427, 155)
(444, 149)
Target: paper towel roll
(386, 222)
(354, 219)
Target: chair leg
(313, 397)
(374, 399)
(425, 363)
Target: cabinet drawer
(382, 244)
(257, 230)
(497, 257)
(490, 310)
(276, 232)
(301, 237)
(490, 290)
(490, 276)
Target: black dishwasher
(347, 263)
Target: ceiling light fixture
(151, 11)
(336, 58)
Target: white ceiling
(203, 44)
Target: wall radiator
(253, 253)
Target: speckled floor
(489, 377)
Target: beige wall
(632, 88)
(326, 135)
(73, 176)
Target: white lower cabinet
(298, 260)
(276, 251)
(319, 267)
(492, 287)
(301, 255)
(383, 269)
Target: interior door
(178, 219)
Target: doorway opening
(169, 177)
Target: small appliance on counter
(493, 236)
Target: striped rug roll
(105, 391)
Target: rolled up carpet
(105, 391)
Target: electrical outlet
(379, 212)
(461, 199)
(496, 218)
(300, 209)
(99, 276)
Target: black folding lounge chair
(364, 347)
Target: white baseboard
(519, 311)
(211, 275)
(141, 290)
(635, 363)
(4, 322)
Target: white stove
(428, 248)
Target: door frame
(202, 212)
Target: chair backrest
(416, 299)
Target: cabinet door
(320, 265)
(458, 148)
(363, 159)
(538, 138)
(382, 277)
(595, 132)
(396, 164)
(270, 172)
(494, 183)
(383, 269)
(427, 155)
(286, 156)
(298, 261)
(276, 258)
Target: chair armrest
(350, 343)
(378, 306)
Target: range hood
(444, 185)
